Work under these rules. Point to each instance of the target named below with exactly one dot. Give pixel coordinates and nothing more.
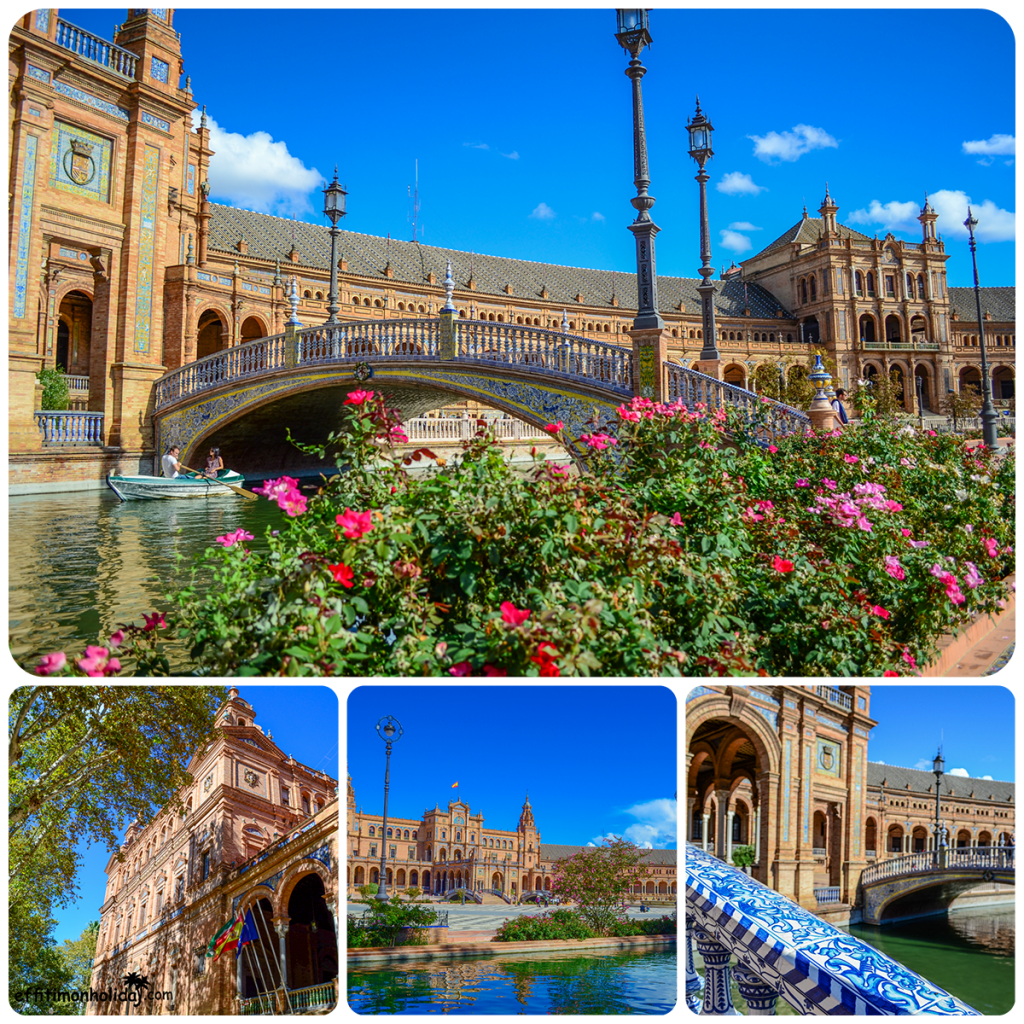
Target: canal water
(969, 953)
(82, 562)
(538, 983)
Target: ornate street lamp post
(989, 416)
(633, 36)
(334, 207)
(937, 766)
(700, 130)
(390, 731)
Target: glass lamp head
(632, 30)
(389, 729)
(334, 200)
(700, 129)
(972, 222)
(938, 763)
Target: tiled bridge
(922, 883)
(782, 950)
(536, 375)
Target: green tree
(962, 404)
(83, 761)
(35, 965)
(56, 392)
(387, 918)
(78, 954)
(599, 879)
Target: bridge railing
(783, 950)
(766, 418)
(528, 348)
(983, 857)
(440, 429)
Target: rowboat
(129, 488)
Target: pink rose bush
(687, 540)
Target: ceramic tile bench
(784, 950)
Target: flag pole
(272, 958)
(253, 958)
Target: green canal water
(969, 953)
(81, 563)
(593, 983)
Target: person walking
(840, 408)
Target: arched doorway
(311, 945)
(867, 329)
(498, 881)
(893, 330)
(1002, 384)
(74, 332)
(895, 839)
(922, 371)
(919, 839)
(970, 377)
(252, 328)
(211, 336)
(734, 375)
(963, 839)
(811, 330)
(870, 838)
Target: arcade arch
(732, 779)
(212, 334)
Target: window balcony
(783, 950)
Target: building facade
(782, 769)
(452, 848)
(901, 811)
(121, 268)
(258, 833)
(785, 769)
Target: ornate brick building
(122, 269)
(782, 769)
(258, 832)
(900, 815)
(452, 848)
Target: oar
(240, 490)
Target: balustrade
(108, 55)
(303, 1000)
(77, 383)
(764, 418)
(783, 950)
(834, 696)
(984, 857)
(71, 427)
(829, 894)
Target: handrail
(527, 348)
(95, 49)
(767, 418)
(70, 427)
(981, 857)
(784, 950)
(834, 696)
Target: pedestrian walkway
(991, 653)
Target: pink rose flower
(49, 664)
(354, 524)
(772, 449)
(554, 428)
(991, 546)
(780, 564)
(890, 672)
(851, 459)
(116, 638)
(154, 621)
(893, 567)
(462, 668)
(803, 483)
(236, 537)
(512, 615)
(358, 397)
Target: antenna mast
(415, 196)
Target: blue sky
(975, 724)
(596, 760)
(304, 724)
(521, 123)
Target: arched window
(920, 286)
(320, 297)
(421, 309)
(406, 833)
(675, 333)
(814, 289)
(366, 302)
(803, 290)
(771, 339)
(307, 294)
(700, 334)
(401, 305)
(519, 319)
(871, 283)
(910, 285)
(501, 318)
(389, 833)
(858, 279)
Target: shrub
(743, 856)
(56, 391)
(559, 924)
(687, 547)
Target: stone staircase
(489, 899)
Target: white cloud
(994, 223)
(597, 216)
(997, 145)
(737, 183)
(655, 827)
(258, 173)
(924, 764)
(514, 155)
(891, 215)
(734, 241)
(476, 145)
(988, 778)
(962, 772)
(743, 225)
(543, 212)
(792, 145)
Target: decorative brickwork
(271, 851)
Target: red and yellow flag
(455, 785)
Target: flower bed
(687, 547)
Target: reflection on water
(563, 982)
(970, 953)
(81, 563)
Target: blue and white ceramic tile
(815, 967)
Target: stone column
(705, 818)
(759, 997)
(281, 927)
(694, 982)
(721, 839)
(730, 816)
(717, 990)
(757, 835)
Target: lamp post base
(712, 367)
(650, 353)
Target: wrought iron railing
(781, 949)
(834, 696)
(108, 55)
